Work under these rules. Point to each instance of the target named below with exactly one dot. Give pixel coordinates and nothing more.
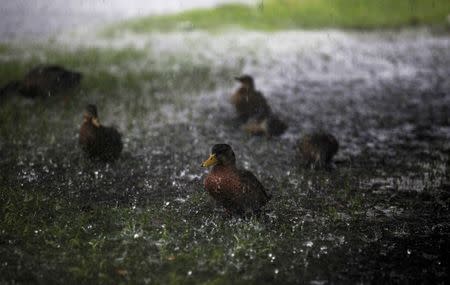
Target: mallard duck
(253, 110)
(97, 141)
(269, 126)
(317, 149)
(237, 190)
(43, 80)
(249, 102)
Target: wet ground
(381, 215)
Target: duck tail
(77, 77)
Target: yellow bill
(212, 160)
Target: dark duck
(316, 150)
(237, 190)
(249, 102)
(96, 141)
(254, 111)
(44, 81)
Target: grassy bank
(290, 14)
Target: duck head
(90, 115)
(221, 154)
(247, 81)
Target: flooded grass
(382, 215)
(280, 15)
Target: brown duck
(237, 190)
(252, 108)
(249, 102)
(317, 149)
(97, 141)
(43, 81)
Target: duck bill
(212, 160)
(238, 78)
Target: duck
(99, 142)
(44, 81)
(237, 190)
(316, 150)
(253, 110)
(249, 102)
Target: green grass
(52, 239)
(66, 220)
(110, 76)
(290, 14)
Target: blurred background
(41, 19)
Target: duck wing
(89, 140)
(112, 143)
(252, 189)
(262, 108)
